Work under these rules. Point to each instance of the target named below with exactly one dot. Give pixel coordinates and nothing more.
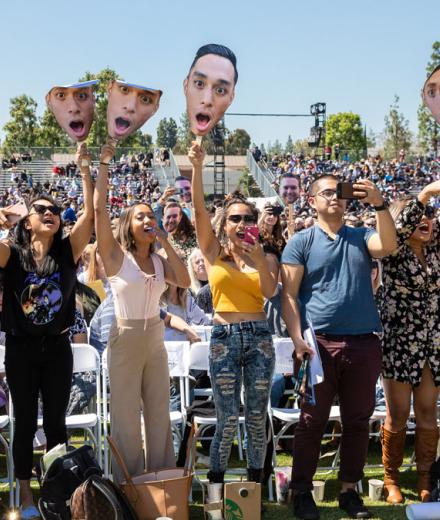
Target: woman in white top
(138, 363)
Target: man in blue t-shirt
(326, 272)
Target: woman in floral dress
(410, 313)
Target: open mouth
(424, 228)
(48, 220)
(240, 234)
(77, 128)
(203, 122)
(122, 125)
(149, 229)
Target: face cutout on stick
(209, 87)
(73, 107)
(129, 107)
(431, 93)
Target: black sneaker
(304, 506)
(353, 504)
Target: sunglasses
(247, 219)
(41, 209)
(429, 212)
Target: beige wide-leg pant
(139, 378)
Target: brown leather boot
(426, 451)
(393, 444)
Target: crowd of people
(139, 266)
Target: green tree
(289, 145)
(22, 129)
(371, 139)
(345, 129)
(396, 135)
(167, 133)
(50, 134)
(184, 135)
(429, 129)
(247, 185)
(237, 142)
(275, 149)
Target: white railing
(264, 178)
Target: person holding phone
(409, 307)
(38, 311)
(138, 361)
(326, 276)
(240, 275)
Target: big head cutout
(431, 93)
(209, 87)
(73, 107)
(129, 107)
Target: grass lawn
(328, 508)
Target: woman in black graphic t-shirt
(38, 309)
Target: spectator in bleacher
(138, 364)
(327, 268)
(197, 271)
(241, 349)
(410, 310)
(38, 309)
(68, 212)
(180, 230)
(256, 153)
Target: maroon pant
(351, 367)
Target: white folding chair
(86, 359)
(105, 411)
(6, 422)
(203, 331)
(178, 357)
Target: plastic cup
(375, 489)
(318, 490)
(282, 482)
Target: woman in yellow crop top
(241, 349)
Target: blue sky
(353, 55)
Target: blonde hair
(195, 283)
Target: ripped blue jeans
(240, 352)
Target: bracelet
(382, 207)
(104, 163)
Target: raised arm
(208, 243)
(81, 232)
(384, 242)
(108, 247)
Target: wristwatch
(382, 207)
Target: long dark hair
(232, 198)
(22, 241)
(123, 233)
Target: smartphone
(20, 210)
(344, 190)
(251, 234)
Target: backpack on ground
(98, 497)
(64, 475)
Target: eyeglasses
(247, 219)
(41, 209)
(327, 194)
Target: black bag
(97, 498)
(65, 474)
